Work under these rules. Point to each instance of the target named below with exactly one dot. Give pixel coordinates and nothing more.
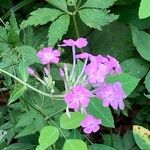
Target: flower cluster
(90, 82)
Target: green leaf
(129, 82)
(13, 23)
(95, 18)
(147, 81)
(61, 4)
(29, 57)
(57, 29)
(144, 10)
(48, 136)
(3, 36)
(100, 147)
(17, 92)
(115, 40)
(20, 146)
(96, 109)
(142, 137)
(74, 145)
(99, 3)
(140, 67)
(73, 122)
(141, 41)
(30, 129)
(42, 16)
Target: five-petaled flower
(78, 97)
(111, 94)
(91, 124)
(48, 55)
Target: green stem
(29, 86)
(75, 25)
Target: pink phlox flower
(111, 94)
(96, 72)
(82, 55)
(48, 55)
(80, 42)
(30, 71)
(78, 97)
(91, 124)
(98, 59)
(114, 66)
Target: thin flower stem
(79, 77)
(74, 62)
(29, 86)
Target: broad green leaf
(128, 140)
(16, 93)
(75, 145)
(140, 67)
(48, 136)
(124, 2)
(99, 3)
(116, 139)
(28, 130)
(144, 10)
(100, 147)
(142, 137)
(73, 122)
(29, 57)
(147, 81)
(115, 40)
(61, 4)
(19, 146)
(42, 16)
(57, 29)
(129, 14)
(99, 111)
(95, 18)
(141, 41)
(129, 82)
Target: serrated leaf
(17, 92)
(48, 136)
(13, 23)
(100, 147)
(144, 10)
(96, 109)
(73, 122)
(142, 137)
(140, 67)
(61, 4)
(95, 18)
(29, 57)
(141, 41)
(74, 145)
(147, 81)
(57, 29)
(42, 16)
(129, 82)
(99, 3)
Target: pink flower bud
(61, 72)
(30, 71)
